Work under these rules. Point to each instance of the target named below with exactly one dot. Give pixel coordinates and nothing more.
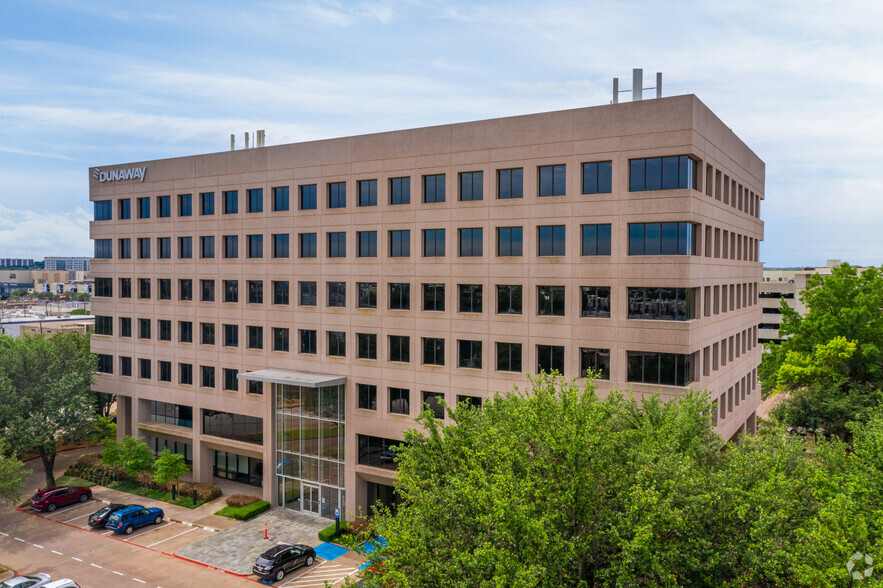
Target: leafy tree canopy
(830, 362)
(169, 466)
(131, 454)
(45, 393)
(558, 487)
(13, 477)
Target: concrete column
(124, 416)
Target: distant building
(79, 264)
(33, 325)
(785, 283)
(16, 262)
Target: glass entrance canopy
(310, 417)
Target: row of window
(597, 179)
(667, 369)
(723, 188)
(733, 397)
(551, 241)
(728, 350)
(643, 302)
(667, 238)
(652, 173)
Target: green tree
(830, 363)
(558, 487)
(103, 430)
(131, 454)
(45, 393)
(13, 477)
(169, 466)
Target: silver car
(32, 581)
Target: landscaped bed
(243, 507)
(89, 468)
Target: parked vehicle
(278, 561)
(132, 517)
(64, 583)
(98, 519)
(52, 498)
(32, 581)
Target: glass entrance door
(311, 499)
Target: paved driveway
(236, 549)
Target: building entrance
(311, 499)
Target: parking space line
(137, 580)
(60, 512)
(94, 565)
(118, 573)
(130, 537)
(38, 546)
(4, 534)
(76, 559)
(57, 552)
(20, 539)
(173, 536)
(75, 518)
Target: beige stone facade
(701, 296)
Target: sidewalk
(235, 550)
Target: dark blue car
(129, 519)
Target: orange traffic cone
(266, 535)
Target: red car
(52, 498)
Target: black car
(99, 518)
(278, 561)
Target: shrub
(327, 534)
(240, 500)
(243, 513)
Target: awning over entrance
(291, 378)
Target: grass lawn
(161, 495)
(73, 481)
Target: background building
(280, 315)
(79, 264)
(16, 262)
(785, 283)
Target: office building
(785, 284)
(78, 264)
(279, 315)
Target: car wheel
(309, 560)
(83, 498)
(280, 574)
(52, 506)
(158, 520)
(129, 529)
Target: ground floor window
(157, 444)
(383, 494)
(239, 468)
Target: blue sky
(90, 82)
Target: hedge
(90, 468)
(327, 534)
(243, 513)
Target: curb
(6, 575)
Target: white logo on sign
(132, 173)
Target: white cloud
(27, 233)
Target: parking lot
(167, 537)
(194, 544)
